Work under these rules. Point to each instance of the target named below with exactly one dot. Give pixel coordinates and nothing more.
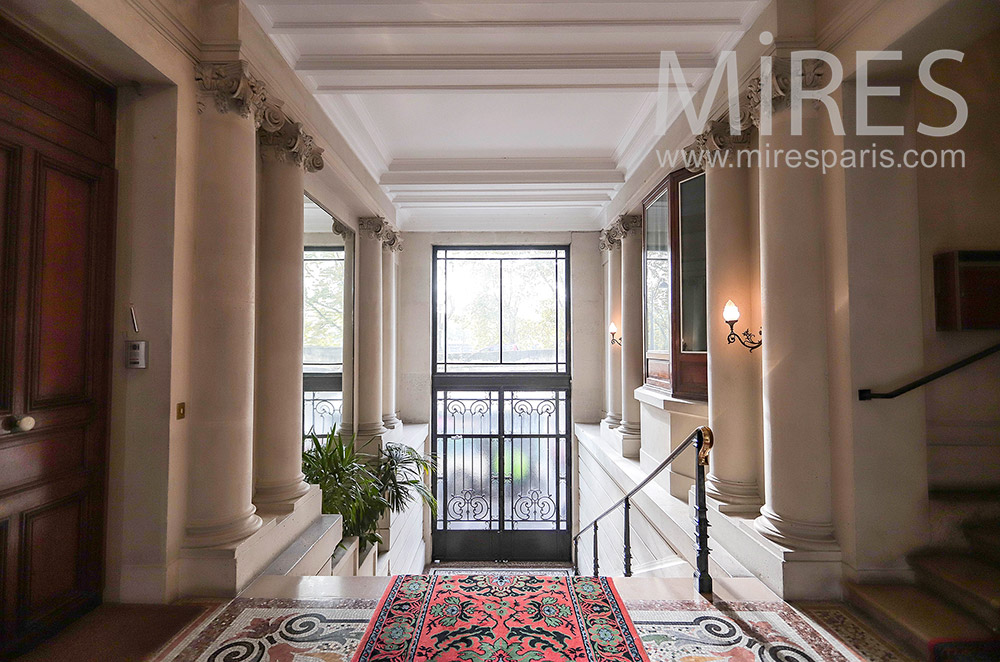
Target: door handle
(17, 423)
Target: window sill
(660, 399)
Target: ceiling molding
(359, 132)
(844, 23)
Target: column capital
(612, 235)
(815, 74)
(376, 227)
(288, 143)
(341, 229)
(718, 137)
(231, 86)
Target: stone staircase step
(914, 616)
(310, 553)
(962, 580)
(984, 538)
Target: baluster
(628, 540)
(703, 580)
(595, 550)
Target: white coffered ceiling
(477, 114)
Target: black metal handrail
(868, 394)
(702, 440)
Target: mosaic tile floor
(283, 630)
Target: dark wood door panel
(56, 261)
(63, 274)
(53, 98)
(25, 459)
(9, 185)
(55, 555)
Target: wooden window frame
(684, 375)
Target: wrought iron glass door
(502, 407)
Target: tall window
(675, 286)
(323, 337)
(501, 404)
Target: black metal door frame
(498, 542)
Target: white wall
(415, 309)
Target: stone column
(613, 294)
(633, 343)
(373, 233)
(284, 152)
(348, 384)
(798, 510)
(389, 418)
(734, 397)
(220, 412)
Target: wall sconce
(613, 330)
(732, 315)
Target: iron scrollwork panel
(503, 460)
(467, 481)
(536, 452)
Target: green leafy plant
(363, 487)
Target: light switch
(181, 410)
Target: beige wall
(879, 456)
(959, 210)
(415, 308)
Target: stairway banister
(868, 394)
(702, 440)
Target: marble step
(310, 553)
(914, 616)
(984, 538)
(962, 579)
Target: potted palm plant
(363, 487)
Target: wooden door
(56, 258)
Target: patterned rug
(273, 630)
(500, 617)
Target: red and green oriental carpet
(500, 618)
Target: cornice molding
(611, 236)
(376, 227)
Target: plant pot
(367, 558)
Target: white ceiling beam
(452, 3)
(609, 177)
(317, 64)
(601, 25)
(361, 88)
(509, 164)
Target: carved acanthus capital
(290, 144)
(717, 137)
(815, 74)
(232, 88)
(376, 227)
(612, 235)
